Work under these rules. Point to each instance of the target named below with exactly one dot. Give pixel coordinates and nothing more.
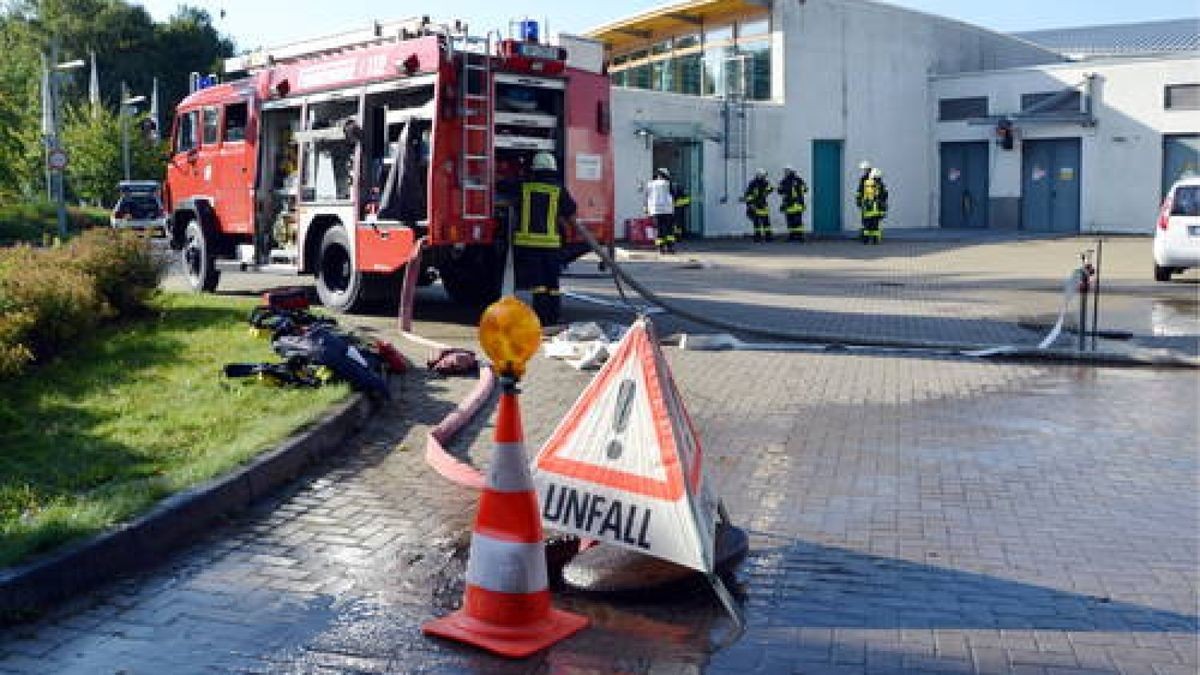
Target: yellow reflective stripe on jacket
(683, 201)
(540, 234)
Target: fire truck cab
(336, 158)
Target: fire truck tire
(197, 258)
(341, 287)
(474, 280)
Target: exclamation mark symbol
(621, 416)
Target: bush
(50, 297)
(123, 266)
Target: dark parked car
(139, 207)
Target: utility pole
(127, 109)
(124, 131)
(56, 157)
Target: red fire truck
(335, 157)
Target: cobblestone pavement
(906, 515)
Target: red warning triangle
(629, 405)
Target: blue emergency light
(529, 30)
(199, 81)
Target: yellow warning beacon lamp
(510, 334)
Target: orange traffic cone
(506, 606)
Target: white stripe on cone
(509, 471)
(505, 566)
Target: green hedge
(28, 222)
(51, 296)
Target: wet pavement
(905, 514)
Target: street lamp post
(127, 109)
(55, 158)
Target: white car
(139, 207)
(1177, 237)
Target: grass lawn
(135, 413)
(28, 222)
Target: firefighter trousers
(795, 225)
(761, 222)
(664, 237)
(538, 270)
(872, 229)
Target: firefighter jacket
(874, 198)
(756, 197)
(791, 191)
(858, 192)
(544, 203)
(658, 197)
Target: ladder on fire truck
(476, 171)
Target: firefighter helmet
(544, 161)
(876, 173)
(663, 173)
(864, 165)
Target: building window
(713, 83)
(1181, 97)
(689, 73)
(1063, 101)
(685, 42)
(639, 77)
(955, 109)
(661, 75)
(751, 28)
(755, 59)
(725, 59)
(716, 35)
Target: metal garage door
(964, 183)
(1050, 185)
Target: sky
(271, 22)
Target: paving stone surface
(906, 513)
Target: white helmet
(663, 173)
(864, 165)
(875, 173)
(544, 161)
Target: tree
(20, 109)
(96, 153)
(130, 47)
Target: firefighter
(792, 190)
(545, 211)
(757, 211)
(683, 203)
(873, 202)
(661, 207)
(865, 168)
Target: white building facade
(713, 90)
(1098, 161)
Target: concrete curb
(177, 520)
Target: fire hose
(436, 455)
(464, 474)
(828, 341)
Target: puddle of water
(1175, 318)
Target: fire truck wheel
(340, 286)
(197, 258)
(474, 279)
